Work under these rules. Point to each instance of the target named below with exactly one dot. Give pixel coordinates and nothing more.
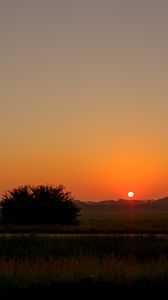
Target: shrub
(41, 204)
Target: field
(107, 252)
(107, 223)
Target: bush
(42, 204)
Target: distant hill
(121, 205)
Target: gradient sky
(84, 96)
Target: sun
(131, 194)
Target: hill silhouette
(122, 205)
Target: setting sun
(131, 194)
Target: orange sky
(84, 96)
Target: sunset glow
(84, 96)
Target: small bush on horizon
(41, 204)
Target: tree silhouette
(41, 204)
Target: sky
(84, 96)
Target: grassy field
(94, 261)
(88, 260)
(102, 223)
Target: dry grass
(127, 271)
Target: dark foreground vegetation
(86, 263)
(44, 250)
(102, 255)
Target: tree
(41, 204)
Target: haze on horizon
(84, 96)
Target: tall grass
(124, 272)
(33, 247)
